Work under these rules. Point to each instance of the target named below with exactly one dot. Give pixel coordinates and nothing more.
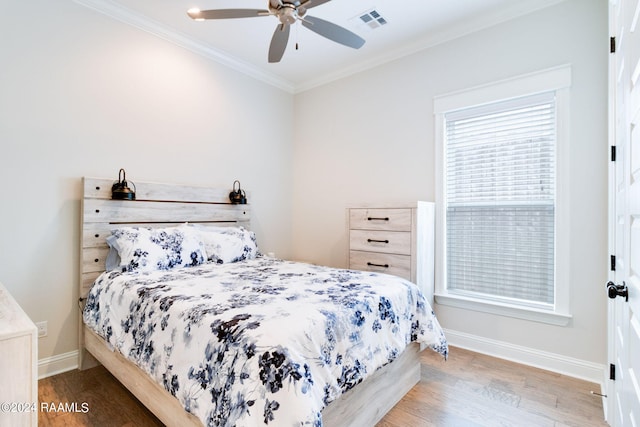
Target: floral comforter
(259, 342)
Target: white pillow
(227, 244)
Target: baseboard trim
(58, 364)
(581, 369)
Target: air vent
(371, 18)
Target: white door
(624, 289)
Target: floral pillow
(228, 244)
(148, 249)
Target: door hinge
(612, 371)
(613, 263)
(613, 153)
(612, 44)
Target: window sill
(526, 313)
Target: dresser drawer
(398, 265)
(392, 242)
(380, 219)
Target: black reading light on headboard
(120, 190)
(238, 197)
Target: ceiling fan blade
(333, 32)
(308, 4)
(279, 43)
(226, 13)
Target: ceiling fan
(287, 12)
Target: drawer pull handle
(377, 219)
(377, 241)
(370, 264)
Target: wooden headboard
(156, 205)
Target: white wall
(84, 95)
(370, 138)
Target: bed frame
(159, 205)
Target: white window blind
(500, 200)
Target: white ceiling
(243, 43)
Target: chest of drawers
(18, 364)
(396, 240)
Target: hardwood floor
(109, 403)
(469, 389)
(472, 389)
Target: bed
(342, 367)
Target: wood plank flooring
(472, 389)
(469, 389)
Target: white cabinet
(396, 240)
(18, 365)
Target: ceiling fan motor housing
(287, 13)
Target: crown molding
(451, 33)
(140, 21)
(137, 20)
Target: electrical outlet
(42, 329)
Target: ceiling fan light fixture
(287, 15)
(194, 13)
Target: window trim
(556, 79)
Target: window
(498, 210)
(500, 199)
